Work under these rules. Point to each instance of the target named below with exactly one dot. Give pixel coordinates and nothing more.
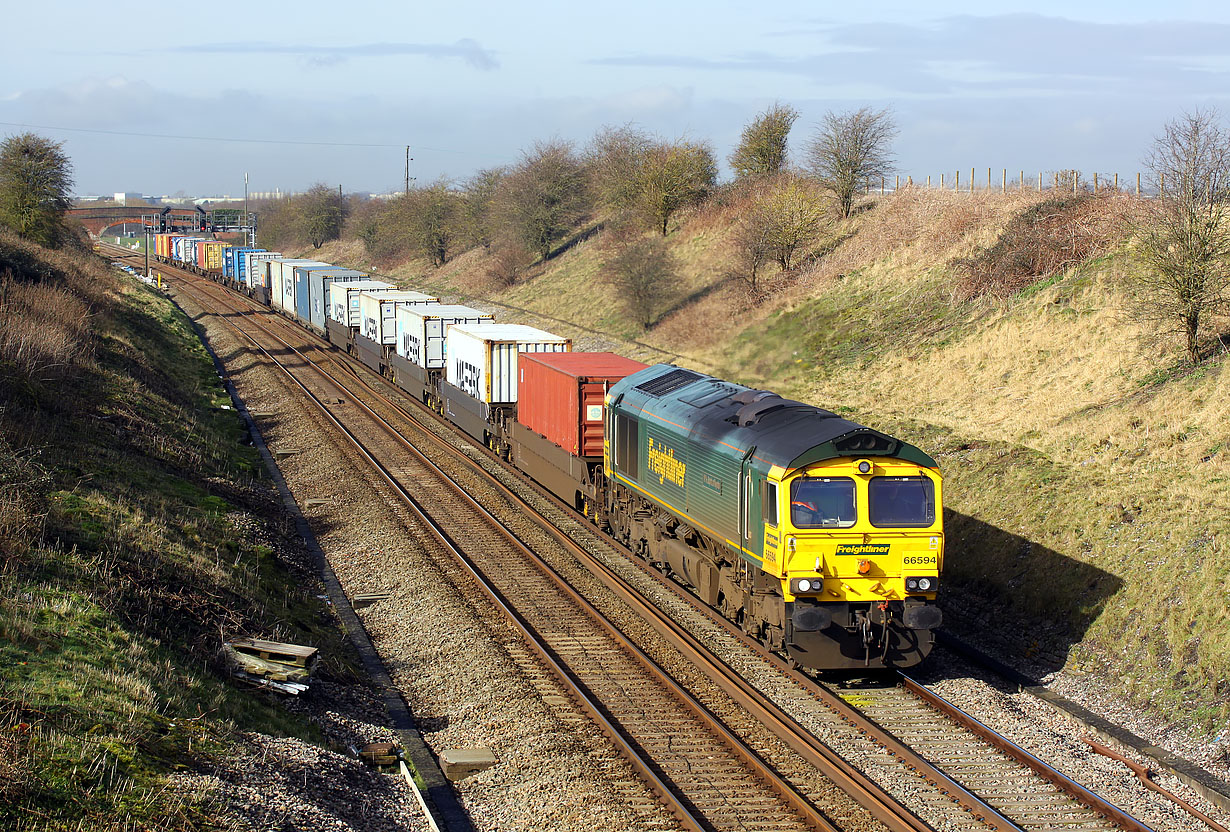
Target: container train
(821, 537)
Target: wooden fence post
(897, 183)
(1056, 185)
(1004, 184)
(881, 184)
(956, 181)
(1021, 182)
(1137, 183)
(1095, 181)
(1161, 184)
(1039, 181)
(928, 181)
(1116, 183)
(971, 180)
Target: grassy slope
(147, 512)
(1085, 477)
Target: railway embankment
(1084, 458)
(137, 532)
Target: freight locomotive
(819, 536)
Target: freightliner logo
(863, 549)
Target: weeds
(125, 500)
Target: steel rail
(993, 738)
(800, 741)
(855, 783)
(675, 803)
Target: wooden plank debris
(366, 599)
(274, 665)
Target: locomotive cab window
(768, 508)
(901, 501)
(626, 445)
(822, 503)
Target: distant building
(127, 197)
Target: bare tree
(675, 175)
(479, 199)
(433, 220)
(762, 148)
(848, 148)
(615, 158)
(632, 173)
(753, 250)
(785, 217)
(509, 260)
(1184, 236)
(322, 212)
(279, 223)
(544, 196)
(642, 271)
(795, 218)
(35, 179)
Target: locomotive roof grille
(668, 383)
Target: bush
(642, 272)
(1040, 242)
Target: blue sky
(334, 91)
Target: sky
(168, 101)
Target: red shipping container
(560, 395)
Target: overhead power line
(193, 138)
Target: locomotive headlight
(920, 584)
(799, 586)
(864, 467)
(924, 584)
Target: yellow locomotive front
(859, 547)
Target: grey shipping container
(256, 271)
(318, 291)
(303, 295)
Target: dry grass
(47, 301)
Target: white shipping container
(344, 299)
(275, 280)
(282, 281)
(482, 358)
(255, 272)
(421, 331)
(378, 312)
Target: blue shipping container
(241, 264)
(231, 261)
(303, 305)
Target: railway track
(709, 777)
(970, 784)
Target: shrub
(1040, 242)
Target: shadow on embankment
(1016, 598)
